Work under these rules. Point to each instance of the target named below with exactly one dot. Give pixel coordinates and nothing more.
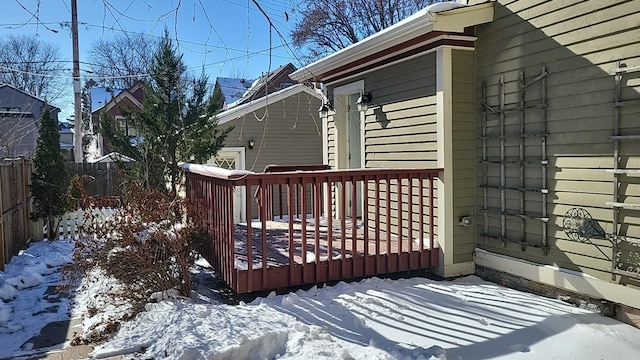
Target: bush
(149, 244)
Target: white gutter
(239, 111)
(450, 16)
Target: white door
(353, 133)
(354, 149)
(233, 159)
(349, 148)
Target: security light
(364, 101)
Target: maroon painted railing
(318, 235)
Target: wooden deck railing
(315, 226)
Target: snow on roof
(233, 88)
(422, 22)
(111, 157)
(100, 96)
(259, 86)
(235, 111)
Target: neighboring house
(238, 91)
(282, 129)
(100, 96)
(119, 103)
(530, 107)
(232, 89)
(19, 120)
(273, 81)
(66, 140)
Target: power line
(36, 15)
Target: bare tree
(121, 61)
(326, 26)
(33, 66)
(16, 135)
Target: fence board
(16, 203)
(101, 179)
(16, 229)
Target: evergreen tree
(202, 137)
(177, 121)
(49, 181)
(87, 127)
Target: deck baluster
(375, 203)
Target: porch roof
(435, 22)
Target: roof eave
(240, 110)
(422, 22)
(51, 107)
(116, 99)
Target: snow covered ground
(412, 318)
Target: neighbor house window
(124, 125)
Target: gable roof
(122, 94)
(100, 96)
(437, 24)
(273, 79)
(241, 110)
(233, 88)
(51, 107)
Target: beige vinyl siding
(401, 132)
(579, 42)
(400, 125)
(331, 145)
(463, 103)
(290, 134)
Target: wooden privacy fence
(101, 179)
(315, 226)
(15, 207)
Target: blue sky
(230, 38)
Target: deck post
(249, 239)
(290, 203)
(263, 237)
(354, 224)
(316, 219)
(365, 223)
(303, 221)
(444, 116)
(388, 222)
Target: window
(123, 125)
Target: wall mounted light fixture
(364, 101)
(252, 143)
(325, 108)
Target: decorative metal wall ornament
(580, 226)
(628, 257)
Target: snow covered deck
(394, 231)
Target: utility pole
(77, 138)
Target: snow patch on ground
(415, 318)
